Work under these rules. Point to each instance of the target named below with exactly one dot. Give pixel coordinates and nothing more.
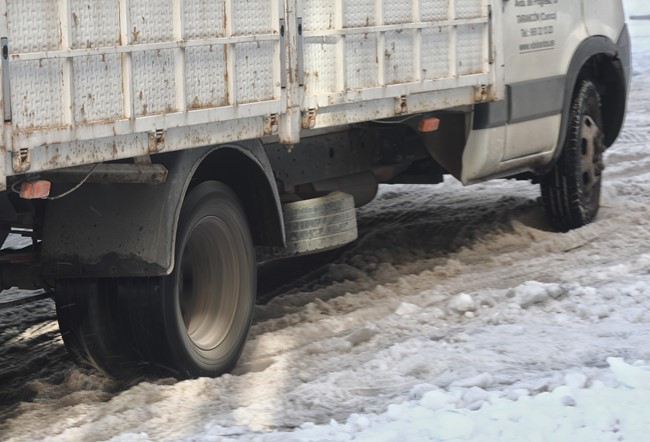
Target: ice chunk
(575, 380)
(362, 335)
(462, 303)
(418, 391)
(406, 308)
(436, 400)
(635, 377)
(474, 397)
(533, 292)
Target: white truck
(150, 146)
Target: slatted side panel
(379, 45)
(206, 81)
(86, 62)
(36, 85)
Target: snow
(458, 315)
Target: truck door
(539, 41)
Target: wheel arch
(122, 230)
(607, 65)
(254, 184)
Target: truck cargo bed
(86, 81)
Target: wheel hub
(208, 284)
(591, 160)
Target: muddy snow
(459, 314)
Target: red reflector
(430, 124)
(35, 190)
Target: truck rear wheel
(208, 300)
(571, 190)
(191, 323)
(92, 325)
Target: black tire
(92, 327)
(207, 324)
(571, 190)
(191, 323)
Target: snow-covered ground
(458, 315)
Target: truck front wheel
(571, 190)
(193, 322)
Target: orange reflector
(430, 124)
(35, 190)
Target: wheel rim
(209, 283)
(591, 158)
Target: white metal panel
(400, 57)
(540, 38)
(471, 49)
(97, 88)
(325, 73)
(434, 10)
(33, 25)
(253, 17)
(469, 8)
(35, 85)
(357, 13)
(151, 21)
(435, 60)
(320, 14)
(204, 19)
(36, 96)
(254, 79)
(94, 24)
(361, 61)
(398, 11)
(604, 17)
(206, 77)
(384, 108)
(82, 70)
(154, 82)
(374, 49)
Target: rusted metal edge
(110, 173)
